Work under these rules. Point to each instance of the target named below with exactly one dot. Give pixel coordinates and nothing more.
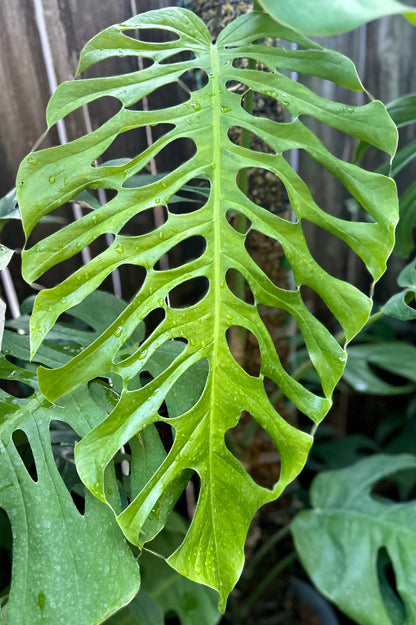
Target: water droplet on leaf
(52, 179)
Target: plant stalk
(261, 588)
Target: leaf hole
(193, 79)
(6, 548)
(116, 66)
(129, 277)
(189, 292)
(235, 135)
(265, 188)
(244, 348)
(144, 222)
(398, 488)
(188, 389)
(238, 285)
(15, 388)
(126, 145)
(386, 375)
(63, 440)
(284, 409)
(282, 328)
(234, 86)
(267, 253)
(145, 378)
(153, 320)
(165, 97)
(238, 221)
(241, 62)
(177, 57)
(191, 248)
(165, 430)
(393, 603)
(190, 197)
(335, 255)
(67, 266)
(255, 450)
(100, 111)
(318, 307)
(152, 35)
(24, 449)
(177, 151)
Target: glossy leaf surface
(329, 17)
(164, 591)
(351, 537)
(212, 551)
(68, 566)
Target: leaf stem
(278, 568)
(258, 556)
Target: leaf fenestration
(212, 551)
(339, 541)
(67, 566)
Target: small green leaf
(394, 357)
(68, 567)
(399, 306)
(329, 17)
(350, 536)
(403, 110)
(9, 208)
(5, 256)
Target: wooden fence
(384, 51)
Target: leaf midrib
(216, 207)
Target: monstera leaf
(329, 17)
(59, 573)
(358, 547)
(212, 551)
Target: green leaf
(166, 593)
(8, 206)
(398, 306)
(68, 567)
(393, 357)
(403, 110)
(349, 537)
(212, 551)
(5, 256)
(329, 17)
(190, 602)
(407, 207)
(142, 610)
